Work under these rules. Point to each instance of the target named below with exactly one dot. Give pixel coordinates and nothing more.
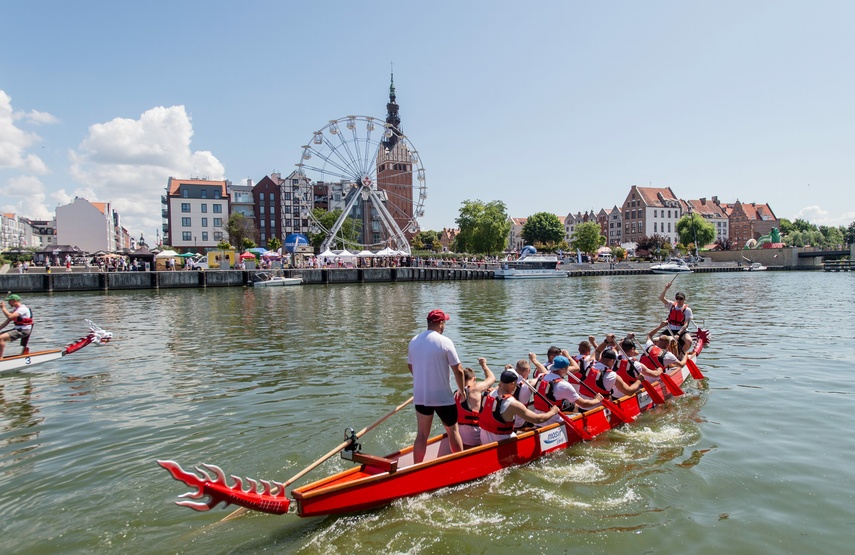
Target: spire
(392, 116)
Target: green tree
(273, 244)
(785, 226)
(831, 236)
(694, 225)
(803, 225)
(619, 253)
(650, 246)
(484, 227)
(543, 228)
(350, 231)
(247, 244)
(849, 234)
(587, 238)
(239, 228)
(425, 240)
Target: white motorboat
(675, 266)
(266, 280)
(754, 267)
(530, 265)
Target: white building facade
(86, 225)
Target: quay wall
(105, 281)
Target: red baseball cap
(437, 315)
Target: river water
(756, 459)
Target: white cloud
(34, 116)
(28, 198)
(15, 141)
(127, 162)
(818, 216)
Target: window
(218, 209)
(669, 215)
(204, 236)
(185, 193)
(186, 236)
(263, 237)
(272, 210)
(217, 194)
(185, 222)
(261, 197)
(218, 236)
(288, 222)
(287, 196)
(654, 227)
(185, 207)
(204, 208)
(654, 213)
(218, 222)
(204, 222)
(669, 227)
(262, 223)
(204, 193)
(261, 209)
(272, 224)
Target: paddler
(555, 387)
(22, 318)
(469, 406)
(430, 355)
(501, 408)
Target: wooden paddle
(235, 514)
(567, 420)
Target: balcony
(165, 214)
(165, 228)
(163, 199)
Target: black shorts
(446, 413)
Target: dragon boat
(26, 359)
(377, 481)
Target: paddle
(567, 420)
(667, 380)
(613, 408)
(655, 396)
(315, 464)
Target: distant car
(201, 264)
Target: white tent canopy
(327, 254)
(387, 252)
(364, 254)
(166, 254)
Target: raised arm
(489, 378)
(539, 368)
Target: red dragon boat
(26, 359)
(378, 481)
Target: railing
(838, 265)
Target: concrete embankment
(105, 281)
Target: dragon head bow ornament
(214, 486)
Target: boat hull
(529, 274)
(20, 362)
(278, 282)
(364, 487)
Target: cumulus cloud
(28, 197)
(818, 216)
(34, 116)
(15, 141)
(127, 162)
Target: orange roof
(707, 209)
(518, 221)
(101, 206)
(650, 195)
(10, 215)
(174, 184)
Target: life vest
(584, 365)
(677, 316)
(490, 418)
(544, 388)
(20, 320)
(627, 371)
(593, 378)
(464, 414)
(654, 358)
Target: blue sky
(547, 106)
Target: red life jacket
(677, 316)
(593, 378)
(545, 389)
(490, 418)
(654, 358)
(464, 414)
(627, 371)
(20, 321)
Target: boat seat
(387, 465)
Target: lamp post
(195, 245)
(694, 232)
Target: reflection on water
(263, 382)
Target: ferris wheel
(370, 171)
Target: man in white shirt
(429, 357)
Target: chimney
(703, 201)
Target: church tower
(394, 171)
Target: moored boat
(27, 359)
(377, 481)
(530, 265)
(754, 267)
(676, 266)
(267, 280)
